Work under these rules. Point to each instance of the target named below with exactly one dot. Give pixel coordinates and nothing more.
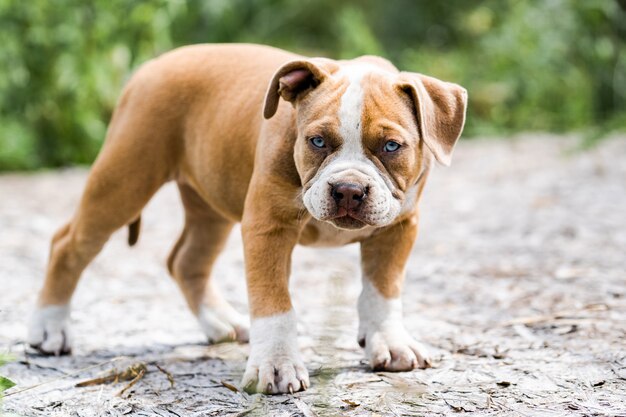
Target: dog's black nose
(348, 195)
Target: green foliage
(5, 383)
(528, 65)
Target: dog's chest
(322, 234)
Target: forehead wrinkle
(322, 124)
(323, 103)
(388, 109)
(387, 126)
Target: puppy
(299, 150)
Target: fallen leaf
(351, 403)
(142, 372)
(229, 386)
(170, 377)
(127, 374)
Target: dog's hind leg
(190, 263)
(133, 164)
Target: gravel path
(516, 283)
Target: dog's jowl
(299, 150)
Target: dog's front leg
(270, 232)
(387, 344)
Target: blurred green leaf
(5, 383)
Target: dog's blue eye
(318, 142)
(391, 146)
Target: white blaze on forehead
(351, 154)
(351, 109)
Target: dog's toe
(280, 375)
(395, 350)
(48, 331)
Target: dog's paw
(49, 332)
(281, 373)
(275, 365)
(394, 350)
(223, 324)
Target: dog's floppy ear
(292, 81)
(440, 108)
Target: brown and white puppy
(333, 152)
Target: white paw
(48, 331)
(223, 324)
(393, 349)
(275, 365)
(387, 344)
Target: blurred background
(551, 65)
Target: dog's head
(366, 133)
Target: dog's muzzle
(349, 197)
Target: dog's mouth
(347, 219)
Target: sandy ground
(516, 283)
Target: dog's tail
(133, 231)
